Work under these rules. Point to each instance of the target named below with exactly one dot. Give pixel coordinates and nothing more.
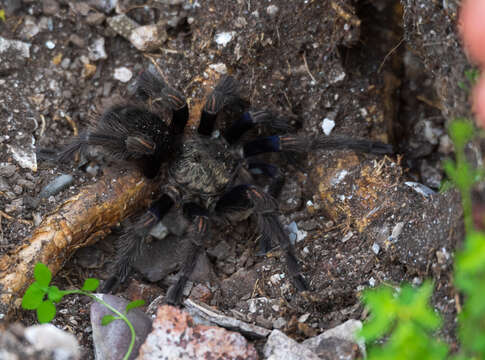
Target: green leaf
(461, 131)
(472, 75)
(107, 319)
(472, 258)
(462, 86)
(383, 309)
(134, 304)
(90, 284)
(42, 274)
(46, 311)
(33, 297)
(54, 294)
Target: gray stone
(239, 286)
(50, 7)
(346, 331)
(215, 318)
(337, 349)
(77, 40)
(221, 251)
(122, 25)
(111, 341)
(281, 347)
(104, 5)
(4, 186)
(95, 18)
(56, 185)
(7, 169)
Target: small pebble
(50, 44)
(347, 236)
(123, 74)
(224, 38)
(279, 323)
(97, 50)
(376, 248)
(272, 10)
(56, 185)
(327, 126)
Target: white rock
(148, 38)
(376, 248)
(347, 236)
(22, 47)
(97, 50)
(123, 74)
(30, 28)
(396, 231)
(223, 38)
(272, 10)
(50, 44)
(25, 158)
(303, 318)
(221, 68)
(327, 126)
(420, 188)
(47, 337)
(338, 177)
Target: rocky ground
(385, 70)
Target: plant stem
(120, 314)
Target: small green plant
(407, 319)
(42, 297)
(471, 76)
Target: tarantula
(208, 177)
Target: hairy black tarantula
(208, 177)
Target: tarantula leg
(301, 144)
(265, 210)
(127, 133)
(150, 87)
(250, 119)
(277, 178)
(130, 244)
(197, 233)
(225, 93)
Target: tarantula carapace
(208, 177)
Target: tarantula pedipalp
(208, 177)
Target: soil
(363, 65)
